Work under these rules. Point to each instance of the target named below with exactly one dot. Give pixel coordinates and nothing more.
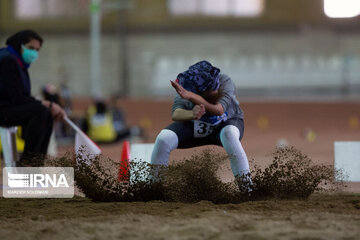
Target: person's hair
(21, 38)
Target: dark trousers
(185, 133)
(36, 122)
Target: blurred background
(270, 48)
(295, 63)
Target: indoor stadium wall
(267, 64)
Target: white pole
(96, 10)
(95, 48)
(91, 147)
(73, 125)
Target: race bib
(202, 129)
(206, 125)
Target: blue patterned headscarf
(200, 77)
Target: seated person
(99, 123)
(17, 106)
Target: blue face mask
(29, 55)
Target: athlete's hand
(185, 94)
(198, 111)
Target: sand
(323, 216)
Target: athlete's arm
(196, 113)
(216, 109)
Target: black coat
(14, 81)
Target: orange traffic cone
(123, 174)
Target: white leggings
(167, 141)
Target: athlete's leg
(166, 141)
(230, 139)
(176, 135)
(229, 136)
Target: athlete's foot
(244, 183)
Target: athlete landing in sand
(205, 111)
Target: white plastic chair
(8, 142)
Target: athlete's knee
(229, 132)
(167, 139)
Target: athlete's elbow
(174, 117)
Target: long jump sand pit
(327, 215)
(322, 216)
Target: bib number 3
(202, 129)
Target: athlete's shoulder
(224, 78)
